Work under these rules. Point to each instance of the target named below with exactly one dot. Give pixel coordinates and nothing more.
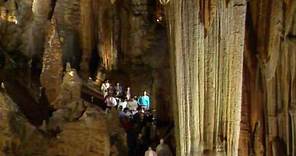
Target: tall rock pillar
(207, 43)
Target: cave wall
(270, 75)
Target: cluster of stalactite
(77, 25)
(270, 76)
(85, 27)
(107, 32)
(98, 33)
(207, 43)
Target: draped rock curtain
(207, 43)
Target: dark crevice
(34, 111)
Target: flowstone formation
(207, 44)
(270, 75)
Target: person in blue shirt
(144, 101)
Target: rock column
(207, 41)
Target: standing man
(163, 149)
(144, 101)
(104, 88)
(110, 102)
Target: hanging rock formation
(87, 35)
(207, 44)
(107, 35)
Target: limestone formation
(17, 135)
(270, 62)
(107, 43)
(52, 70)
(227, 67)
(6, 136)
(79, 127)
(207, 46)
(87, 136)
(86, 34)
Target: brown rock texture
(106, 28)
(17, 135)
(270, 62)
(87, 35)
(87, 136)
(52, 70)
(6, 136)
(83, 130)
(231, 63)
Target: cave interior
(220, 75)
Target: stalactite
(40, 9)
(86, 35)
(52, 70)
(208, 73)
(106, 32)
(67, 13)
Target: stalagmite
(52, 70)
(83, 127)
(208, 46)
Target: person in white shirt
(110, 101)
(122, 103)
(104, 87)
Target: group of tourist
(137, 120)
(115, 96)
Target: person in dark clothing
(131, 142)
(140, 145)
